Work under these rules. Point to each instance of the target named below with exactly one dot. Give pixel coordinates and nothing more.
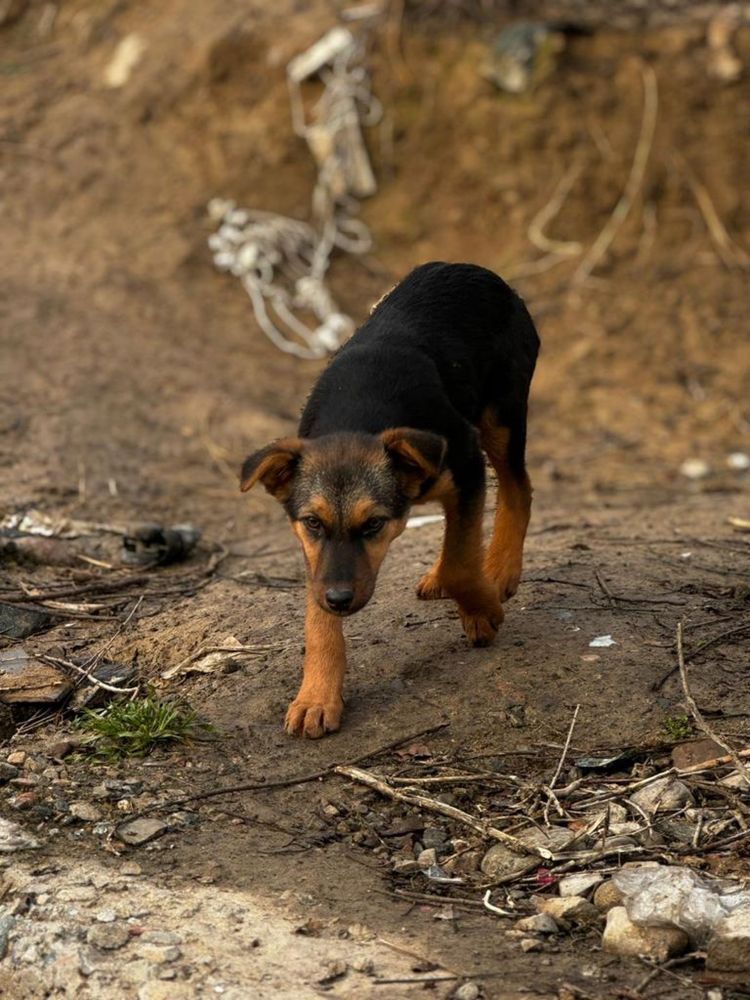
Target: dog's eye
(372, 527)
(313, 525)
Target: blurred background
(592, 153)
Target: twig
(302, 779)
(635, 179)
(433, 805)
(432, 900)
(657, 685)
(605, 589)
(730, 252)
(698, 716)
(545, 215)
(58, 661)
(560, 763)
(492, 908)
(657, 970)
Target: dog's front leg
(317, 708)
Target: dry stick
(560, 763)
(657, 685)
(605, 589)
(696, 712)
(432, 805)
(259, 786)
(58, 661)
(665, 967)
(535, 232)
(635, 179)
(730, 252)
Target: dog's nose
(339, 598)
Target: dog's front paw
(430, 588)
(312, 718)
(481, 628)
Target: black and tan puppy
(439, 373)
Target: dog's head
(348, 497)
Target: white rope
(282, 262)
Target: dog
(438, 374)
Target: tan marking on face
(310, 548)
(320, 507)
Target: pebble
(469, 991)
(531, 944)
(106, 916)
(433, 836)
(23, 801)
(165, 938)
(160, 953)
(13, 837)
(17, 758)
(695, 752)
(500, 861)
(77, 894)
(8, 772)
(404, 866)
(85, 811)
(623, 937)
(607, 895)
(108, 936)
(729, 945)
(140, 831)
(130, 868)
(663, 795)
(739, 461)
(579, 885)
(694, 468)
(6, 926)
(539, 923)
(567, 910)
(60, 748)
(427, 858)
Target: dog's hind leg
(505, 447)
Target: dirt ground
(133, 380)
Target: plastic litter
(665, 896)
(602, 642)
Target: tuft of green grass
(135, 728)
(678, 727)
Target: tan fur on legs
(317, 708)
(459, 571)
(504, 559)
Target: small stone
(140, 831)
(623, 937)
(364, 965)
(164, 938)
(695, 752)
(13, 837)
(17, 758)
(663, 795)
(60, 748)
(131, 868)
(739, 461)
(433, 836)
(23, 801)
(500, 861)
(735, 780)
(77, 894)
(8, 772)
(468, 991)
(85, 811)
(694, 468)
(531, 944)
(427, 858)
(607, 895)
(464, 863)
(106, 916)
(579, 885)
(568, 910)
(330, 810)
(729, 945)
(109, 937)
(405, 866)
(7, 921)
(539, 923)
(160, 953)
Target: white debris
(126, 57)
(739, 461)
(420, 520)
(695, 468)
(602, 642)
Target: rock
(695, 468)
(427, 858)
(85, 811)
(623, 937)
(735, 780)
(607, 895)
(579, 885)
(500, 861)
(18, 623)
(695, 752)
(433, 836)
(539, 923)
(7, 921)
(17, 758)
(108, 937)
(569, 910)
(465, 863)
(13, 837)
(164, 938)
(663, 795)
(131, 868)
(23, 801)
(77, 894)
(405, 866)
(729, 945)
(106, 916)
(8, 772)
(60, 748)
(468, 991)
(140, 831)
(26, 680)
(160, 953)
(531, 944)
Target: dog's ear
(274, 466)
(417, 455)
